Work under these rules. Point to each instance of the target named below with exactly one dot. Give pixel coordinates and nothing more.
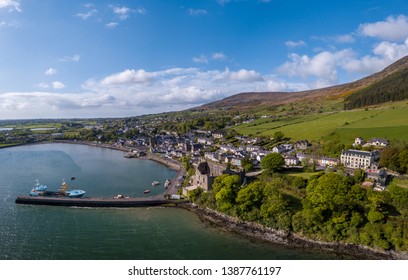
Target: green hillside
(390, 121)
(392, 88)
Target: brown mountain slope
(263, 99)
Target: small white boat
(155, 183)
(146, 191)
(167, 183)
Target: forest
(329, 206)
(392, 88)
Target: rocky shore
(254, 230)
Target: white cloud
(50, 72)
(12, 5)
(218, 56)
(137, 91)
(200, 59)
(3, 24)
(338, 39)
(391, 51)
(123, 12)
(346, 38)
(87, 15)
(197, 12)
(74, 58)
(385, 53)
(111, 25)
(244, 75)
(392, 28)
(128, 76)
(43, 85)
(223, 2)
(58, 85)
(322, 66)
(294, 44)
(205, 59)
(140, 11)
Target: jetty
(125, 202)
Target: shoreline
(254, 230)
(149, 156)
(291, 239)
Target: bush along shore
(328, 211)
(290, 239)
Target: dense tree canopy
(332, 207)
(392, 88)
(272, 162)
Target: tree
(225, 188)
(389, 158)
(359, 175)
(332, 196)
(403, 161)
(272, 162)
(278, 136)
(250, 197)
(247, 164)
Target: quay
(97, 202)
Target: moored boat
(38, 189)
(75, 193)
(64, 190)
(146, 191)
(167, 183)
(155, 183)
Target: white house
(359, 141)
(378, 142)
(357, 159)
(291, 160)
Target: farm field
(386, 122)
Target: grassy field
(34, 126)
(403, 183)
(389, 121)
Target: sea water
(33, 232)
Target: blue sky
(69, 58)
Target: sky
(120, 58)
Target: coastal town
(211, 153)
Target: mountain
(248, 100)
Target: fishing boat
(155, 183)
(64, 190)
(167, 183)
(38, 189)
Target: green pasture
(34, 126)
(401, 182)
(389, 122)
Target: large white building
(357, 159)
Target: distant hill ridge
(363, 92)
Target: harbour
(40, 232)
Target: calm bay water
(45, 233)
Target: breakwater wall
(97, 202)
